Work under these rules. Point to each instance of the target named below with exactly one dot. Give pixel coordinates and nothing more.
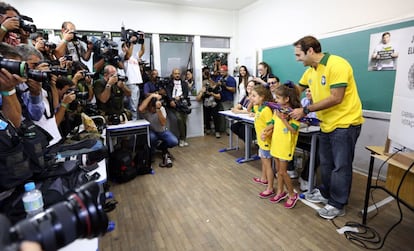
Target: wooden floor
(208, 202)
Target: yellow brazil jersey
(263, 117)
(283, 140)
(333, 72)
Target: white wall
(106, 15)
(278, 22)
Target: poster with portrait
(401, 128)
(384, 50)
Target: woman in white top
(244, 78)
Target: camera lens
(80, 216)
(14, 67)
(36, 75)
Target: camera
(14, 67)
(44, 76)
(80, 215)
(107, 49)
(25, 25)
(51, 45)
(163, 82)
(122, 78)
(68, 58)
(83, 38)
(88, 74)
(126, 36)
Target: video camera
(163, 82)
(14, 67)
(81, 215)
(126, 36)
(108, 49)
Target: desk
(395, 171)
(313, 132)
(136, 127)
(248, 122)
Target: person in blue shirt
(228, 86)
(29, 92)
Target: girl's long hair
(289, 90)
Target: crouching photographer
(81, 215)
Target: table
(396, 169)
(313, 132)
(136, 127)
(248, 122)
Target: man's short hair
(26, 51)
(309, 42)
(10, 52)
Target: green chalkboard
(375, 87)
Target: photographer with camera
(14, 30)
(133, 72)
(155, 85)
(69, 43)
(179, 102)
(228, 86)
(39, 41)
(110, 92)
(152, 110)
(210, 96)
(40, 74)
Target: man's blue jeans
(336, 151)
(167, 140)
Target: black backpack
(121, 167)
(143, 156)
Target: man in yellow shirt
(337, 104)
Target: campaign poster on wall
(384, 49)
(402, 113)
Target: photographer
(210, 95)
(10, 31)
(70, 44)
(177, 92)
(133, 72)
(29, 92)
(53, 110)
(45, 47)
(152, 110)
(155, 85)
(110, 92)
(228, 86)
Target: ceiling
(212, 4)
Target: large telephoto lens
(80, 216)
(14, 67)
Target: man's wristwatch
(306, 110)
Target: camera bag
(121, 166)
